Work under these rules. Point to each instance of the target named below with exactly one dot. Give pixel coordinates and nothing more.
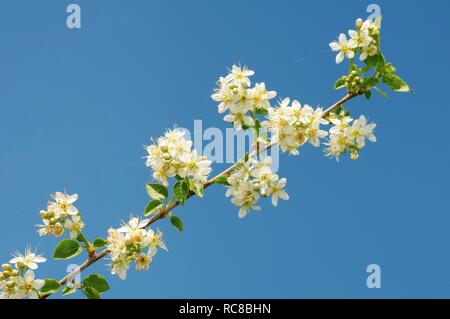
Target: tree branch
(163, 213)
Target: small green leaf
(181, 191)
(368, 94)
(157, 191)
(91, 293)
(50, 287)
(260, 111)
(96, 281)
(197, 189)
(395, 83)
(99, 243)
(379, 91)
(222, 180)
(177, 223)
(68, 291)
(340, 83)
(66, 249)
(152, 206)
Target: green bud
(164, 148)
(53, 221)
(6, 267)
(10, 284)
(15, 273)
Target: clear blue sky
(76, 107)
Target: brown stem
(161, 214)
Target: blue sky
(77, 106)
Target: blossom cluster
(19, 282)
(362, 41)
(255, 179)
(348, 135)
(133, 243)
(172, 155)
(292, 125)
(61, 215)
(235, 95)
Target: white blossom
(344, 47)
(29, 259)
(253, 180)
(293, 125)
(173, 155)
(348, 136)
(132, 242)
(74, 225)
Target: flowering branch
(174, 162)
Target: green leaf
(395, 83)
(152, 206)
(340, 83)
(98, 282)
(368, 94)
(222, 180)
(66, 249)
(181, 191)
(68, 291)
(379, 91)
(177, 223)
(199, 190)
(99, 243)
(260, 111)
(51, 286)
(91, 293)
(369, 82)
(157, 191)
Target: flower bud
(58, 230)
(354, 155)
(43, 214)
(167, 157)
(10, 284)
(164, 148)
(49, 215)
(359, 23)
(15, 273)
(6, 267)
(20, 265)
(6, 274)
(2, 277)
(53, 221)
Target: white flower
(74, 225)
(346, 136)
(253, 180)
(370, 50)
(240, 75)
(277, 191)
(260, 96)
(173, 155)
(359, 131)
(361, 37)
(143, 260)
(28, 285)
(28, 259)
(344, 47)
(238, 119)
(293, 125)
(63, 204)
(119, 266)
